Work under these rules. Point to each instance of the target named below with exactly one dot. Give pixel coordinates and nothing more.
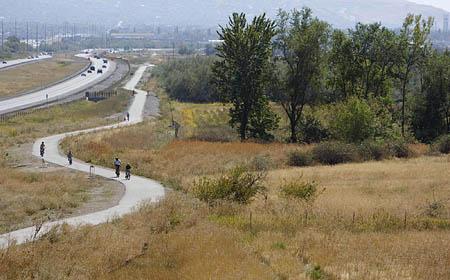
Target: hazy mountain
(341, 13)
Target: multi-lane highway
(61, 90)
(16, 62)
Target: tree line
(377, 83)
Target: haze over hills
(341, 13)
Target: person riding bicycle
(117, 164)
(128, 171)
(42, 149)
(70, 157)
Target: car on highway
(83, 75)
(4, 62)
(92, 68)
(104, 66)
(89, 71)
(105, 61)
(99, 71)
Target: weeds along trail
(137, 190)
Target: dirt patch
(105, 193)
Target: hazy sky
(444, 4)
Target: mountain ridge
(340, 13)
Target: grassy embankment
(385, 219)
(30, 196)
(30, 76)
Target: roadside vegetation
(39, 74)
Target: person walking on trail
(42, 149)
(128, 171)
(69, 157)
(117, 164)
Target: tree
(413, 48)
(343, 67)
(12, 44)
(242, 73)
(361, 62)
(354, 121)
(188, 79)
(302, 42)
(431, 114)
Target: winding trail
(137, 190)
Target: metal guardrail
(90, 96)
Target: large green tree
(431, 114)
(361, 62)
(413, 47)
(242, 73)
(301, 42)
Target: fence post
(404, 220)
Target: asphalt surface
(16, 62)
(137, 190)
(61, 90)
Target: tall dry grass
(29, 198)
(169, 240)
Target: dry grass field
(28, 196)
(385, 219)
(181, 238)
(28, 77)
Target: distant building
(445, 26)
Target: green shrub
(400, 149)
(238, 185)
(312, 130)
(442, 144)
(354, 121)
(300, 158)
(300, 190)
(335, 152)
(370, 150)
(315, 272)
(261, 163)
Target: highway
(61, 90)
(11, 63)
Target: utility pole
(27, 36)
(3, 34)
(15, 28)
(45, 36)
(37, 38)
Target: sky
(444, 4)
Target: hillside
(341, 13)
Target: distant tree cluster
(188, 79)
(374, 82)
(11, 46)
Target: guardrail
(90, 96)
(100, 95)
